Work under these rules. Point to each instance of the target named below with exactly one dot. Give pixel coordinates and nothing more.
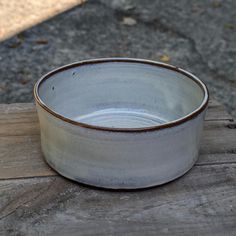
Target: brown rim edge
(177, 122)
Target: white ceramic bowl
(120, 123)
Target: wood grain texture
(20, 153)
(217, 112)
(200, 203)
(34, 200)
(21, 156)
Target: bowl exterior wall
(119, 160)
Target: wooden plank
(200, 203)
(18, 120)
(216, 159)
(217, 111)
(21, 156)
(218, 137)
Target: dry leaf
(41, 41)
(15, 45)
(19, 39)
(216, 4)
(164, 58)
(229, 26)
(2, 88)
(24, 81)
(129, 21)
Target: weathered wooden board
(203, 202)
(218, 137)
(217, 111)
(20, 154)
(34, 200)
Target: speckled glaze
(120, 123)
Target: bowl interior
(121, 94)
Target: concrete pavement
(199, 36)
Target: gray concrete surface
(199, 36)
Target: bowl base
(121, 118)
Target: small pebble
(129, 21)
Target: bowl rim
(170, 124)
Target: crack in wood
(24, 203)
